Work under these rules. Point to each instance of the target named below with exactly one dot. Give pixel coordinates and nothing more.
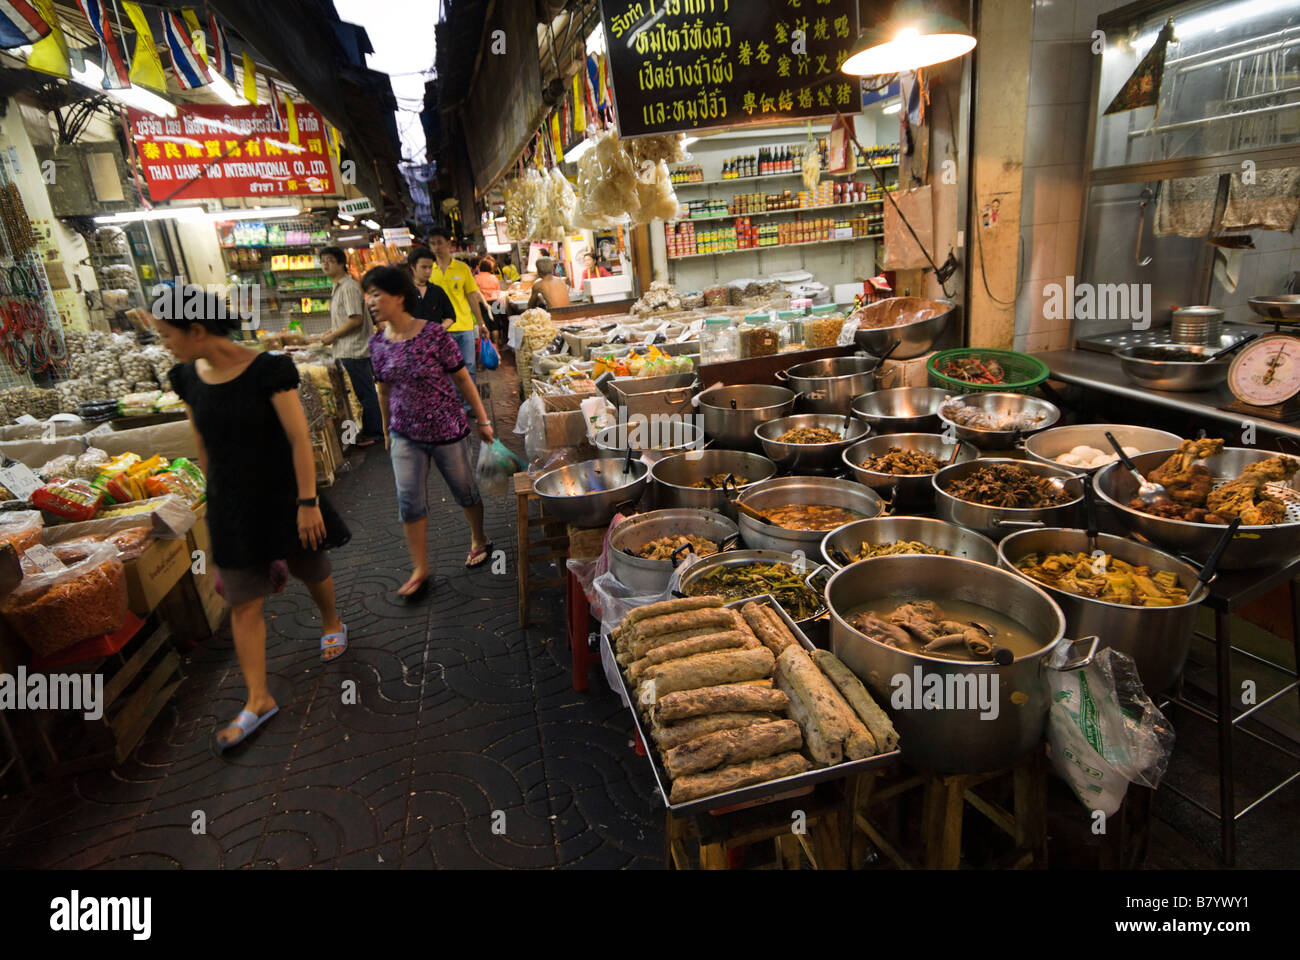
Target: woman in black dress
(255, 448)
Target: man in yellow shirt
(457, 282)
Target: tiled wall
(1060, 83)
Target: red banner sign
(219, 151)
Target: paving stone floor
(462, 723)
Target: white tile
(1042, 140)
(1049, 72)
(1082, 60)
(1040, 201)
(1085, 17)
(1041, 251)
(1072, 133)
(1067, 243)
(1053, 19)
(1058, 339)
(1029, 305)
(1069, 192)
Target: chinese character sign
(686, 64)
(215, 151)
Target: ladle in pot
(1236, 346)
(1148, 492)
(1208, 570)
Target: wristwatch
(308, 501)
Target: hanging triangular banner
(292, 120)
(49, 54)
(223, 62)
(277, 118)
(197, 38)
(21, 23)
(1142, 88)
(579, 113)
(146, 65)
(250, 79)
(189, 66)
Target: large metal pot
(1045, 447)
(902, 410)
(588, 494)
(652, 441)
(829, 385)
(997, 522)
(1266, 545)
(731, 413)
(1001, 405)
(959, 737)
(957, 541)
(1147, 366)
(674, 475)
(914, 321)
(782, 491)
(806, 565)
(806, 458)
(904, 491)
(649, 577)
(1156, 638)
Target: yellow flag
(579, 104)
(146, 67)
(556, 142)
(292, 118)
(250, 79)
(196, 33)
(50, 53)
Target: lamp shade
(909, 43)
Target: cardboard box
(565, 429)
(151, 576)
(213, 604)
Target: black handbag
(337, 533)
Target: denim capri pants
(411, 471)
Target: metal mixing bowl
(997, 522)
(902, 410)
(731, 413)
(1000, 405)
(1180, 376)
(588, 494)
(958, 541)
(1045, 447)
(810, 457)
(916, 337)
(905, 491)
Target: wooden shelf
(773, 213)
(782, 246)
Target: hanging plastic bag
(489, 359)
(496, 465)
(1104, 731)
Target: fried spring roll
(685, 648)
(674, 735)
(767, 626)
(725, 698)
(697, 785)
(726, 747)
(859, 698)
(709, 669)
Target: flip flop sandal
(416, 595)
(481, 554)
(247, 722)
(334, 641)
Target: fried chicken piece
(1187, 481)
(1248, 497)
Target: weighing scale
(1265, 375)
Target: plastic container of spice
(718, 340)
(822, 329)
(759, 336)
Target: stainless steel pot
(588, 494)
(1045, 447)
(731, 413)
(902, 410)
(674, 475)
(904, 491)
(915, 321)
(1251, 548)
(958, 541)
(959, 737)
(806, 565)
(997, 522)
(829, 385)
(1000, 405)
(1143, 366)
(804, 458)
(652, 441)
(648, 577)
(782, 491)
(1156, 638)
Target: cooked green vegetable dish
(753, 579)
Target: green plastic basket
(1023, 373)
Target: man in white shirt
(350, 338)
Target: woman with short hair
(423, 385)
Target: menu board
(686, 64)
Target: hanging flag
(1142, 89)
(49, 55)
(195, 33)
(219, 44)
(579, 95)
(191, 72)
(335, 142)
(292, 118)
(250, 79)
(277, 118)
(117, 75)
(20, 23)
(146, 67)
(557, 145)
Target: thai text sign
(220, 151)
(686, 64)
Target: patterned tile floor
(466, 745)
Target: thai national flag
(117, 72)
(277, 118)
(191, 72)
(222, 59)
(20, 24)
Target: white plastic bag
(531, 424)
(1104, 731)
(496, 465)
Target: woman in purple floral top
(421, 378)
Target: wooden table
(549, 546)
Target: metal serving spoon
(1148, 492)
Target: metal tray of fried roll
(757, 791)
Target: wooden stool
(943, 811)
(553, 545)
(719, 839)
